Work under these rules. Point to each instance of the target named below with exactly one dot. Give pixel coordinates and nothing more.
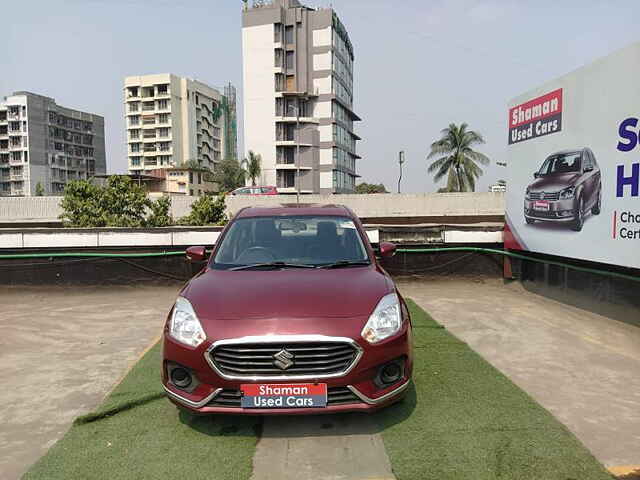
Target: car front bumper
(558, 210)
(356, 390)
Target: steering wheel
(256, 255)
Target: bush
(120, 203)
(160, 216)
(206, 210)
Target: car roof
(569, 150)
(308, 209)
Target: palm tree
(457, 159)
(252, 166)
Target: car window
(243, 191)
(309, 240)
(562, 163)
(256, 191)
(265, 190)
(587, 159)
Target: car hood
(554, 182)
(218, 295)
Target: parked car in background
(255, 191)
(291, 314)
(566, 188)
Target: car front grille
(284, 360)
(544, 195)
(335, 396)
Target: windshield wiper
(272, 265)
(346, 264)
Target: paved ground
(61, 350)
(322, 447)
(583, 367)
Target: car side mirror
(196, 254)
(588, 168)
(387, 249)
(536, 175)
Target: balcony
(13, 161)
(15, 177)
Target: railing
(15, 177)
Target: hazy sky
(420, 64)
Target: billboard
(573, 156)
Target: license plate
(284, 396)
(544, 206)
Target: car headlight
(568, 193)
(385, 321)
(185, 326)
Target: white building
(298, 97)
(45, 144)
(172, 120)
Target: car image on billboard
(566, 188)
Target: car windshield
(561, 163)
(304, 241)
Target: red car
(292, 314)
(255, 191)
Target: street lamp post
(400, 161)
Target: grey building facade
(298, 97)
(44, 143)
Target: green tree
(39, 190)
(365, 188)
(252, 165)
(206, 210)
(124, 203)
(456, 158)
(81, 205)
(119, 203)
(159, 215)
(229, 175)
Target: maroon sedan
(292, 314)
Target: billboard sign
(573, 179)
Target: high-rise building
(176, 122)
(43, 145)
(298, 96)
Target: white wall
(322, 61)
(322, 110)
(322, 38)
(322, 85)
(259, 97)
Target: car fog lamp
(180, 377)
(391, 373)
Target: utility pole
(400, 161)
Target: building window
(288, 34)
(134, 106)
(163, 104)
(135, 161)
(290, 60)
(163, 132)
(163, 118)
(135, 147)
(134, 120)
(163, 89)
(134, 134)
(277, 32)
(132, 92)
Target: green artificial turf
(462, 419)
(138, 434)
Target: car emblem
(283, 359)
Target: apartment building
(173, 121)
(44, 143)
(298, 96)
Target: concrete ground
(61, 350)
(583, 367)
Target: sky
(420, 64)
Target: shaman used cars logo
(535, 118)
(283, 359)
